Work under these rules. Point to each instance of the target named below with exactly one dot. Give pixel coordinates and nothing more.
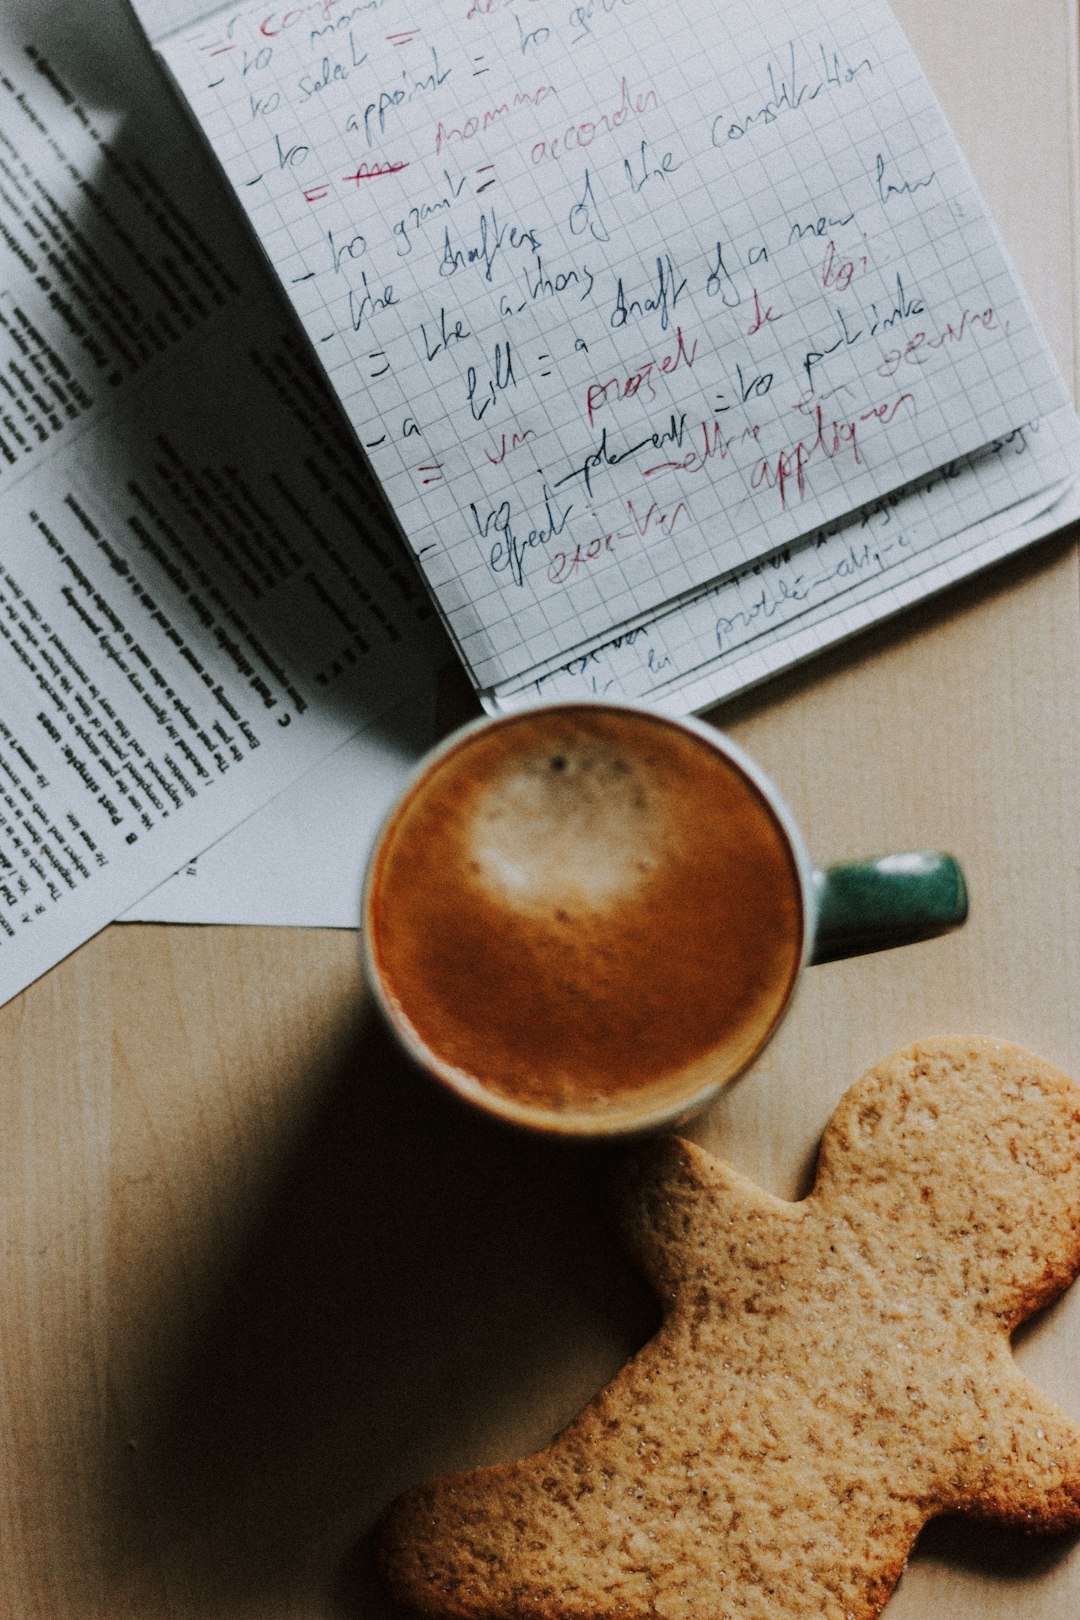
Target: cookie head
(967, 1151)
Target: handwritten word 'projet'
(619, 388)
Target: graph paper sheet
(623, 298)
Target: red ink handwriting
(565, 564)
(655, 519)
(761, 317)
(484, 8)
(714, 442)
(583, 134)
(836, 438)
(444, 134)
(629, 387)
(515, 442)
(912, 352)
(278, 22)
(837, 274)
(372, 171)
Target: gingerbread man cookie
(829, 1375)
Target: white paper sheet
(299, 862)
(651, 290)
(198, 597)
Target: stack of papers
(672, 375)
(679, 337)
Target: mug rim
(571, 1122)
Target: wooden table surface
(256, 1279)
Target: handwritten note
(768, 615)
(622, 298)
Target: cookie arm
(1023, 1469)
(682, 1213)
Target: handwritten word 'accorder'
(583, 134)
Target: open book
(678, 335)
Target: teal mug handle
(896, 900)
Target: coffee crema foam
(586, 909)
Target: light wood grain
(256, 1278)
